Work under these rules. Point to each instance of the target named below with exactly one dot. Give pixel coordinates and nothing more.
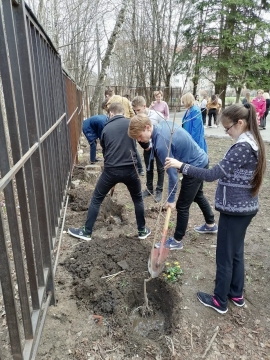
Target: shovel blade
(157, 260)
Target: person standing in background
(219, 109)
(246, 99)
(197, 100)
(260, 105)
(267, 107)
(112, 98)
(213, 109)
(160, 105)
(203, 108)
(192, 120)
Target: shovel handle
(167, 219)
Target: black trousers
(203, 111)
(150, 172)
(109, 178)
(191, 191)
(212, 113)
(230, 271)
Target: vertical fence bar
(5, 271)
(37, 94)
(33, 131)
(7, 10)
(9, 192)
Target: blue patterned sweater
(235, 172)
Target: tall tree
(107, 58)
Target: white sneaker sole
(212, 307)
(206, 231)
(79, 236)
(145, 236)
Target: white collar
(249, 138)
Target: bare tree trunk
(107, 58)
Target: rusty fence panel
(41, 112)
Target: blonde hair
(158, 92)
(260, 90)
(266, 95)
(138, 101)
(137, 125)
(188, 100)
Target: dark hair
(214, 100)
(247, 112)
(103, 104)
(109, 92)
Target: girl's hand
(171, 162)
(152, 104)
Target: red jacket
(260, 106)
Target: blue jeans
(191, 190)
(110, 177)
(230, 271)
(150, 172)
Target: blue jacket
(93, 126)
(183, 148)
(193, 124)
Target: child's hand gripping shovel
(158, 256)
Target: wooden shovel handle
(167, 219)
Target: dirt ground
(98, 317)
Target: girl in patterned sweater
(240, 175)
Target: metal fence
(40, 124)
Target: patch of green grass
(124, 283)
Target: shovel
(109, 203)
(158, 256)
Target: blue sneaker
(211, 301)
(171, 244)
(79, 233)
(204, 229)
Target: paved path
(219, 132)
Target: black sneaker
(146, 193)
(143, 234)
(79, 233)
(158, 196)
(211, 301)
(238, 301)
